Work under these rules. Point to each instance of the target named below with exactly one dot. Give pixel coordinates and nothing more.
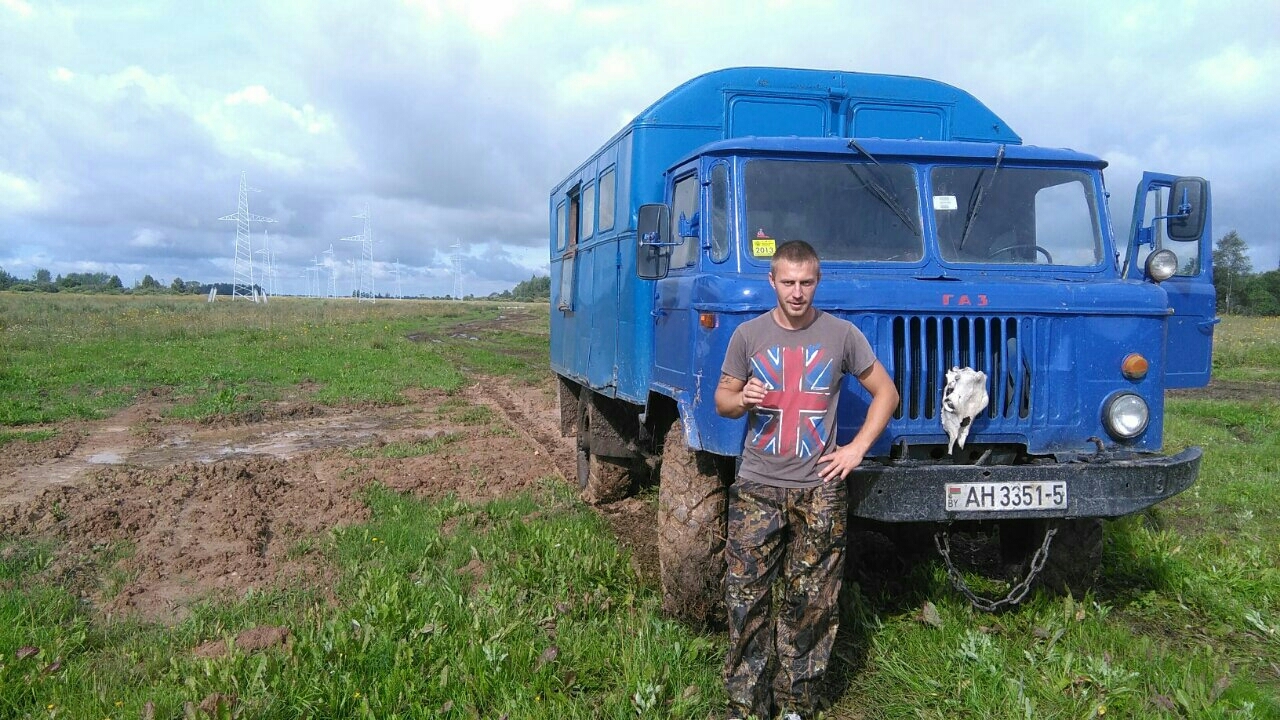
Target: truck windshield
(851, 212)
(1025, 216)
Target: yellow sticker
(762, 246)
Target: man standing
(788, 508)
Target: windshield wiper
(976, 201)
(877, 188)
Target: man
(788, 508)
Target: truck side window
(562, 232)
(684, 204)
(588, 211)
(570, 254)
(608, 185)
(719, 213)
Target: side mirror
(1188, 207)
(653, 241)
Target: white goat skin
(963, 398)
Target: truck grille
(924, 348)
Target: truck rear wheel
(602, 479)
(691, 531)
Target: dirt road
(179, 510)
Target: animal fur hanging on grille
(963, 398)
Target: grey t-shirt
(802, 369)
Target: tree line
(1240, 290)
(534, 289)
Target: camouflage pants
(777, 662)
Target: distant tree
(177, 285)
(42, 277)
(114, 283)
(534, 289)
(1231, 266)
(149, 283)
(1262, 293)
(6, 280)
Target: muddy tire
(691, 531)
(603, 479)
(1075, 555)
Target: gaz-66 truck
(961, 253)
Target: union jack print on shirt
(792, 418)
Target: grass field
(526, 607)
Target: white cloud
(17, 7)
(19, 194)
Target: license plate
(995, 496)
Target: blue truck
(948, 242)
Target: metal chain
(942, 540)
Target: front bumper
(1097, 487)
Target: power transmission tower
(268, 274)
(332, 266)
(364, 270)
(242, 270)
(457, 270)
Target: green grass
(1247, 348)
(31, 436)
(85, 356)
(445, 609)
(523, 607)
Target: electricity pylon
(242, 270)
(364, 285)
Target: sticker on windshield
(944, 202)
(762, 245)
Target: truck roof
(881, 149)
(841, 103)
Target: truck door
(1188, 352)
(673, 307)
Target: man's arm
(735, 397)
(884, 399)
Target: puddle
(105, 458)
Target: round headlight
(1126, 416)
(1161, 265)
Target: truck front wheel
(1075, 553)
(691, 530)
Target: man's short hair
(795, 251)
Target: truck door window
(844, 211)
(1188, 252)
(1025, 216)
(720, 213)
(684, 207)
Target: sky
(126, 126)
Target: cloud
(453, 119)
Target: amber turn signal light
(707, 320)
(1134, 366)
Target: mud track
(172, 512)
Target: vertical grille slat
(926, 347)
